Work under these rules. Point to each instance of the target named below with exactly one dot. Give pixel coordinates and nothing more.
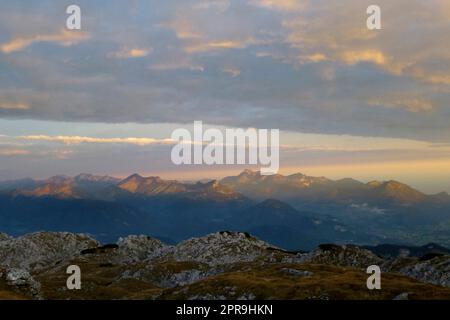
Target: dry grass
(103, 281)
(327, 283)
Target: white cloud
(80, 139)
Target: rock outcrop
(222, 265)
(35, 251)
(435, 271)
(4, 237)
(139, 248)
(343, 256)
(221, 248)
(22, 280)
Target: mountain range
(294, 212)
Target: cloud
(409, 104)
(14, 152)
(307, 66)
(222, 5)
(182, 65)
(131, 53)
(285, 5)
(215, 45)
(338, 30)
(184, 28)
(14, 106)
(64, 38)
(354, 57)
(70, 140)
(314, 58)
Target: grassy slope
(261, 281)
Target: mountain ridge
(295, 210)
(221, 265)
(391, 188)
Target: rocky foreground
(224, 265)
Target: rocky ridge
(225, 265)
(39, 250)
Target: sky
(350, 102)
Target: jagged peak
(348, 180)
(297, 175)
(374, 183)
(134, 176)
(215, 186)
(94, 178)
(398, 186)
(59, 179)
(138, 177)
(212, 183)
(250, 172)
(387, 184)
(393, 183)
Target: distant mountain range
(302, 188)
(294, 212)
(423, 252)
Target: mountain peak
(136, 175)
(216, 187)
(87, 177)
(213, 184)
(397, 191)
(150, 185)
(298, 175)
(374, 183)
(132, 183)
(249, 172)
(59, 179)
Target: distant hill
(393, 251)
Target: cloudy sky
(348, 101)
